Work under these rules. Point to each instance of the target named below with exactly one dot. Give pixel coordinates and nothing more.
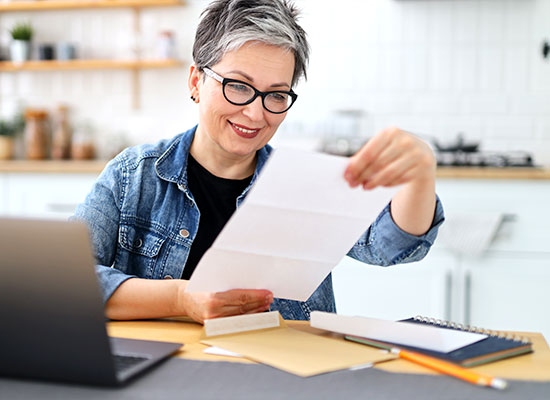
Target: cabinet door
(510, 292)
(46, 195)
(394, 292)
(525, 202)
(3, 195)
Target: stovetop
(519, 159)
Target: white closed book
(398, 333)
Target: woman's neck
(218, 161)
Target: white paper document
(297, 222)
(401, 333)
(217, 351)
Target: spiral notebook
(496, 346)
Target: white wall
(435, 67)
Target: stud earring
(193, 98)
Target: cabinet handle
(467, 298)
(448, 295)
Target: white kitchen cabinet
(3, 193)
(505, 287)
(395, 292)
(44, 195)
(524, 201)
(510, 292)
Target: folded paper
(296, 224)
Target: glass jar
(83, 146)
(37, 137)
(61, 144)
(165, 45)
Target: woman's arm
(146, 298)
(394, 157)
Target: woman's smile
(244, 131)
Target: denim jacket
(143, 219)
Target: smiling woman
(156, 209)
(229, 135)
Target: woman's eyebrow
(248, 77)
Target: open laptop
(52, 322)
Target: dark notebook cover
(490, 349)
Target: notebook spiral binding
(453, 325)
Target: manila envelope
(265, 338)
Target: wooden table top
(534, 366)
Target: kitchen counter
(96, 166)
(53, 166)
(492, 173)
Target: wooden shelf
(75, 65)
(8, 66)
(43, 5)
(134, 66)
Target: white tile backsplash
(440, 68)
(437, 67)
(491, 105)
(466, 67)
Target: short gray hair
(227, 25)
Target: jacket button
(138, 243)
(168, 277)
(184, 233)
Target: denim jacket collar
(172, 164)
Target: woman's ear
(194, 82)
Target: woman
(156, 209)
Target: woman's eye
(237, 87)
(279, 97)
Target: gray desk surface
(187, 379)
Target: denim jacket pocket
(139, 250)
(140, 241)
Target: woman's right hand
(201, 306)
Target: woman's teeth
(245, 130)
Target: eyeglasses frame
(225, 81)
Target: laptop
(52, 320)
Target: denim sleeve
(101, 213)
(384, 243)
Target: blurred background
(434, 67)
(472, 77)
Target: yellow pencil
(451, 369)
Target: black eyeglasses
(241, 93)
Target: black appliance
(460, 153)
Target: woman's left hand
(390, 158)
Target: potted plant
(20, 47)
(7, 132)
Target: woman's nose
(255, 110)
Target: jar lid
(35, 113)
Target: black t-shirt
(216, 199)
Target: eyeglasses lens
(240, 93)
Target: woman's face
(242, 130)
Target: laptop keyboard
(122, 363)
